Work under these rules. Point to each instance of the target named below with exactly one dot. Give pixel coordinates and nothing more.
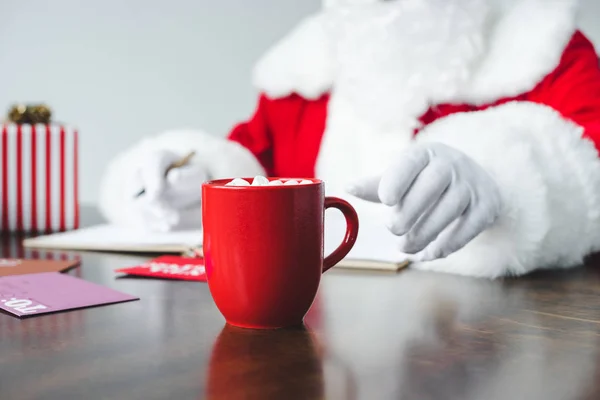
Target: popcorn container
(38, 177)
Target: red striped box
(38, 178)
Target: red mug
(263, 249)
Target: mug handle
(351, 231)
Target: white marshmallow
(263, 181)
(238, 182)
(260, 181)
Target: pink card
(35, 294)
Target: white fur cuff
(549, 178)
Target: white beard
(392, 62)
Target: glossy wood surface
(412, 335)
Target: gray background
(120, 70)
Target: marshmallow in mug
(262, 181)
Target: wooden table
(369, 336)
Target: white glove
(440, 200)
(169, 202)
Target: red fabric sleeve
(255, 135)
(285, 134)
(573, 88)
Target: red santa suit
(514, 85)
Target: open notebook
(116, 239)
(374, 249)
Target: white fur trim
(300, 63)
(222, 158)
(524, 40)
(525, 45)
(550, 183)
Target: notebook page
(110, 237)
(375, 242)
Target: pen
(177, 164)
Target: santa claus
(468, 128)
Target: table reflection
(254, 363)
(431, 336)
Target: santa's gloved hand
(440, 199)
(179, 188)
(169, 200)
